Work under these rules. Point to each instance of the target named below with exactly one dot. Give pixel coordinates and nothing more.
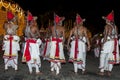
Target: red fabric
(57, 19)
(76, 48)
(115, 48)
(27, 52)
(10, 15)
(57, 46)
(45, 47)
(78, 19)
(110, 16)
(29, 17)
(10, 48)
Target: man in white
(31, 54)
(78, 37)
(110, 48)
(11, 43)
(56, 56)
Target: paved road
(66, 72)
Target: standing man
(31, 54)
(11, 43)
(57, 41)
(77, 40)
(110, 49)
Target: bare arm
(87, 39)
(105, 34)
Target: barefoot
(16, 71)
(76, 73)
(109, 73)
(57, 73)
(39, 73)
(83, 72)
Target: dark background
(91, 10)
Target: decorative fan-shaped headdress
(58, 19)
(110, 16)
(79, 19)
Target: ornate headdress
(58, 19)
(29, 16)
(79, 19)
(110, 16)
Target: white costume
(46, 51)
(11, 47)
(32, 54)
(56, 54)
(79, 58)
(56, 51)
(110, 49)
(107, 57)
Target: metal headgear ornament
(58, 19)
(110, 16)
(79, 19)
(29, 16)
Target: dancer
(77, 41)
(57, 41)
(31, 53)
(11, 42)
(110, 49)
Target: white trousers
(80, 66)
(104, 65)
(12, 63)
(31, 65)
(56, 66)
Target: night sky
(91, 10)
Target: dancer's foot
(57, 73)
(76, 73)
(83, 72)
(39, 73)
(5, 70)
(16, 71)
(108, 73)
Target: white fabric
(47, 49)
(81, 54)
(56, 67)
(53, 49)
(15, 48)
(35, 55)
(57, 64)
(106, 53)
